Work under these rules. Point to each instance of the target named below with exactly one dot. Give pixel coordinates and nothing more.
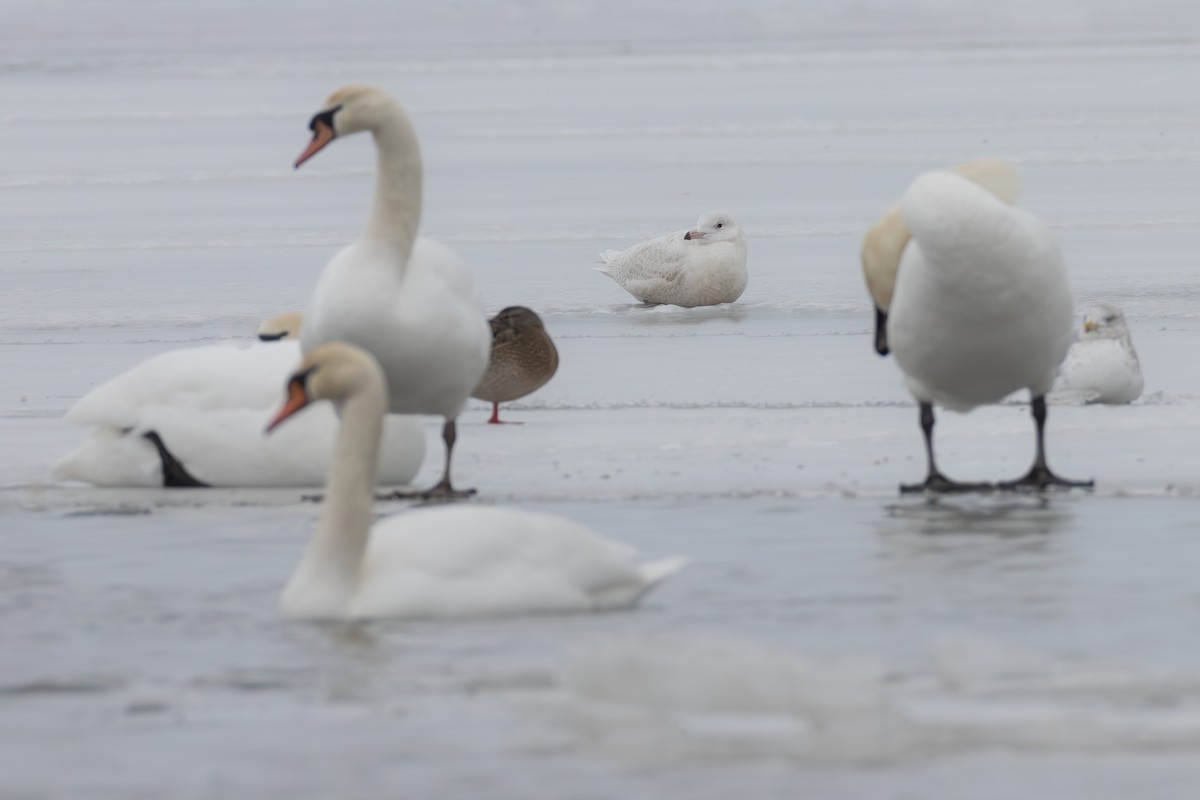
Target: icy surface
(828, 638)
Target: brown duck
(523, 358)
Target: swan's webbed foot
(446, 495)
(937, 483)
(442, 493)
(1039, 479)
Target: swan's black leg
(1039, 475)
(175, 475)
(443, 490)
(935, 481)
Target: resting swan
(435, 562)
(194, 417)
(281, 326)
(408, 302)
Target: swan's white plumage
(420, 318)
(480, 561)
(408, 301)
(285, 325)
(981, 306)
(435, 562)
(1102, 366)
(886, 239)
(203, 378)
(684, 272)
(210, 405)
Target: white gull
(700, 267)
(1102, 367)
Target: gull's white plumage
(706, 269)
(209, 406)
(1102, 366)
(408, 301)
(436, 562)
(981, 305)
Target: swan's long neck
(334, 557)
(397, 210)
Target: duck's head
(353, 108)
(1104, 322)
(516, 318)
(336, 372)
(714, 226)
(280, 326)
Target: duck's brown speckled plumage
(523, 359)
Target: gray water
(828, 638)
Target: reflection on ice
(998, 515)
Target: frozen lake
(828, 639)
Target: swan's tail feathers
(628, 593)
(609, 256)
(655, 572)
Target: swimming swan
(435, 562)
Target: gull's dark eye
(720, 224)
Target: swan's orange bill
(322, 135)
(296, 400)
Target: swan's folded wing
(492, 561)
(204, 378)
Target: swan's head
(1104, 322)
(713, 227)
(336, 372)
(516, 318)
(280, 326)
(353, 108)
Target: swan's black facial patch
(301, 378)
(325, 117)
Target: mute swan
(980, 309)
(409, 303)
(281, 326)
(523, 360)
(194, 417)
(1102, 367)
(700, 267)
(435, 562)
(886, 239)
